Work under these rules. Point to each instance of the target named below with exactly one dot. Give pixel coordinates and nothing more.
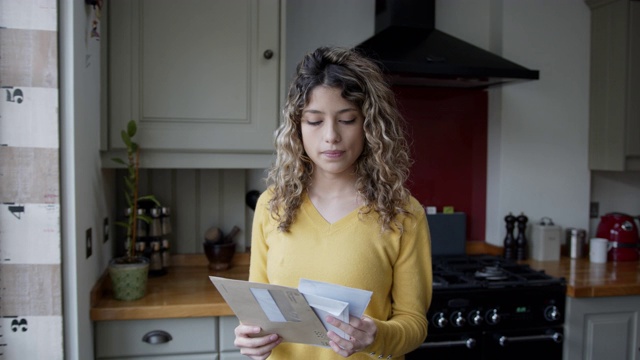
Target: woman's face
(332, 132)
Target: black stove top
(487, 307)
(486, 271)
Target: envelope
(297, 315)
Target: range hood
(413, 52)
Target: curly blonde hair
(383, 166)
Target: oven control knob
(439, 320)
(493, 317)
(551, 313)
(475, 318)
(457, 319)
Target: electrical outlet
(89, 241)
(105, 229)
(594, 209)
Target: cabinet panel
(609, 336)
(124, 338)
(602, 328)
(227, 335)
(232, 356)
(180, 49)
(614, 113)
(194, 75)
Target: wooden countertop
(584, 279)
(187, 292)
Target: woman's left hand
(362, 333)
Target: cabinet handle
(157, 337)
(268, 54)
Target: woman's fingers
(361, 334)
(253, 346)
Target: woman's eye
(314, 123)
(348, 121)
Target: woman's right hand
(257, 348)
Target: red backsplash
(448, 134)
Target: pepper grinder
(509, 241)
(521, 241)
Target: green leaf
(132, 128)
(130, 184)
(123, 224)
(145, 218)
(126, 139)
(150, 197)
(119, 161)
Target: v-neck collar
(320, 222)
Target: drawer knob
(268, 54)
(157, 337)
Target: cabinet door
(197, 75)
(602, 328)
(227, 334)
(614, 114)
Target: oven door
(534, 344)
(459, 347)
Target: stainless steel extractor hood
(413, 52)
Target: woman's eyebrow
(314, 111)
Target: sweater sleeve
(411, 292)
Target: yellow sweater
(351, 252)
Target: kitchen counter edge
(187, 292)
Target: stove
(487, 307)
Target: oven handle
(556, 337)
(470, 343)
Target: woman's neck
(334, 198)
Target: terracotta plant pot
(129, 278)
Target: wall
(30, 261)
(312, 23)
(538, 130)
(448, 136)
(86, 190)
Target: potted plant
(129, 272)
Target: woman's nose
(331, 134)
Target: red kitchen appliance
(622, 232)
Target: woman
(337, 211)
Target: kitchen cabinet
(167, 339)
(227, 335)
(192, 339)
(200, 77)
(602, 328)
(614, 114)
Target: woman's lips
(333, 154)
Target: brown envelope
(276, 309)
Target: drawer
(125, 337)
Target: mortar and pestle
(218, 248)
